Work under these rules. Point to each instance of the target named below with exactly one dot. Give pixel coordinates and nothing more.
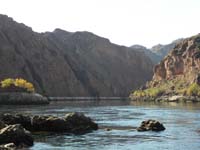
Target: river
(182, 122)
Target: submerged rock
(151, 125)
(107, 129)
(76, 123)
(16, 134)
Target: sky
(124, 22)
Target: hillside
(162, 50)
(157, 52)
(178, 72)
(155, 58)
(62, 63)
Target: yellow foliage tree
(18, 82)
(7, 82)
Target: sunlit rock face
(61, 63)
(182, 60)
(182, 63)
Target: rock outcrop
(16, 134)
(62, 63)
(176, 77)
(22, 98)
(14, 128)
(151, 125)
(183, 61)
(76, 123)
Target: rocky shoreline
(22, 98)
(175, 98)
(15, 128)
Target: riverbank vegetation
(171, 87)
(17, 84)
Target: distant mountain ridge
(153, 56)
(62, 63)
(157, 52)
(163, 50)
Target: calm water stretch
(182, 122)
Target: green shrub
(154, 92)
(193, 90)
(182, 91)
(139, 93)
(151, 92)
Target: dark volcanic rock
(61, 63)
(15, 134)
(76, 123)
(151, 125)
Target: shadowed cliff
(62, 63)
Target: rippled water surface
(182, 122)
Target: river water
(182, 122)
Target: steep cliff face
(62, 63)
(182, 61)
(177, 74)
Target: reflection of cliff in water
(171, 105)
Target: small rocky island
(177, 77)
(19, 92)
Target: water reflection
(171, 105)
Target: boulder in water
(76, 123)
(16, 134)
(151, 125)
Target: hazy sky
(125, 22)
